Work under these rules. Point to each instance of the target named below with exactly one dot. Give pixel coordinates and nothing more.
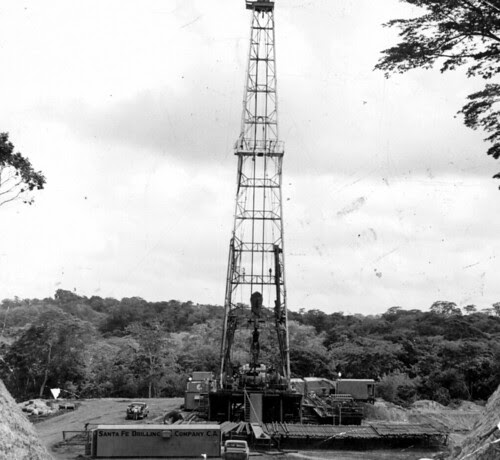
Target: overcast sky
(131, 109)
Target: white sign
(55, 392)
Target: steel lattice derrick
(256, 261)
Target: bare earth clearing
(95, 412)
(112, 411)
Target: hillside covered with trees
(103, 347)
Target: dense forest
(103, 347)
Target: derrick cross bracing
(255, 298)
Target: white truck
(235, 450)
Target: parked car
(236, 450)
(137, 410)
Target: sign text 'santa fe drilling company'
(139, 441)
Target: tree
(307, 362)
(18, 179)
(398, 388)
(496, 308)
(455, 33)
(154, 358)
(316, 318)
(62, 296)
(308, 356)
(393, 313)
(49, 352)
(469, 309)
(446, 308)
(200, 348)
(367, 358)
(111, 368)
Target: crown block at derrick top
(260, 5)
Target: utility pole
(255, 298)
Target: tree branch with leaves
(452, 34)
(18, 179)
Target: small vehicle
(235, 450)
(137, 410)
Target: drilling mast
(255, 300)
(256, 270)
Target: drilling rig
(255, 298)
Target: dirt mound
(383, 410)
(18, 438)
(426, 412)
(426, 404)
(483, 442)
(453, 421)
(469, 405)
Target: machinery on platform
(198, 387)
(255, 298)
(360, 390)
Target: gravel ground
(96, 411)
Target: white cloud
(131, 110)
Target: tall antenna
(255, 287)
